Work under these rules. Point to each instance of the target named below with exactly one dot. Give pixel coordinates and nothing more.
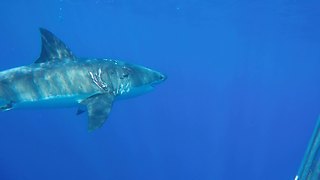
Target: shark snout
(143, 76)
(162, 77)
(159, 78)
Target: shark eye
(125, 73)
(124, 76)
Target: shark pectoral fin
(98, 107)
(81, 110)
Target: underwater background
(241, 99)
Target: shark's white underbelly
(57, 101)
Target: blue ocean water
(241, 99)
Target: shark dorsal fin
(53, 49)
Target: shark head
(136, 80)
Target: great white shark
(59, 79)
